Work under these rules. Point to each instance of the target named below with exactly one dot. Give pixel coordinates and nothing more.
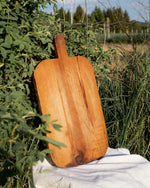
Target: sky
(137, 9)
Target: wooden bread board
(67, 90)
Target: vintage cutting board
(66, 89)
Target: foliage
(24, 42)
(68, 16)
(29, 6)
(79, 15)
(126, 17)
(97, 15)
(59, 14)
(138, 38)
(77, 40)
(125, 99)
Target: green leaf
(13, 24)
(53, 121)
(50, 140)
(1, 65)
(8, 42)
(46, 117)
(12, 58)
(31, 69)
(17, 42)
(2, 23)
(3, 52)
(47, 151)
(29, 114)
(8, 39)
(44, 171)
(9, 18)
(50, 47)
(57, 127)
(21, 47)
(1, 30)
(6, 45)
(6, 116)
(15, 34)
(8, 29)
(1, 40)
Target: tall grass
(136, 38)
(126, 104)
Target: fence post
(108, 28)
(104, 33)
(132, 31)
(71, 13)
(60, 27)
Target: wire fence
(108, 32)
(112, 27)
(117, 32)
(107, 27)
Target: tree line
(96, 15)
(115, 15)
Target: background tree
(119, 17)
(126, 17)
(110, 14)
(68, 16)
(118, 13)
(78, 14)
(60, 13)
(97, 15)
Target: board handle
(60, 47)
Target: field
(123, 50)
(125, 47)
(125, 97)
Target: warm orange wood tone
(67, 90)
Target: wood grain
(66, 89)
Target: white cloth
(117, 169)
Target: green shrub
(80, 41)
(24, 42)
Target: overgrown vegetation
(23, 43)
(26, 38)
(124, 38)
(126, 98)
